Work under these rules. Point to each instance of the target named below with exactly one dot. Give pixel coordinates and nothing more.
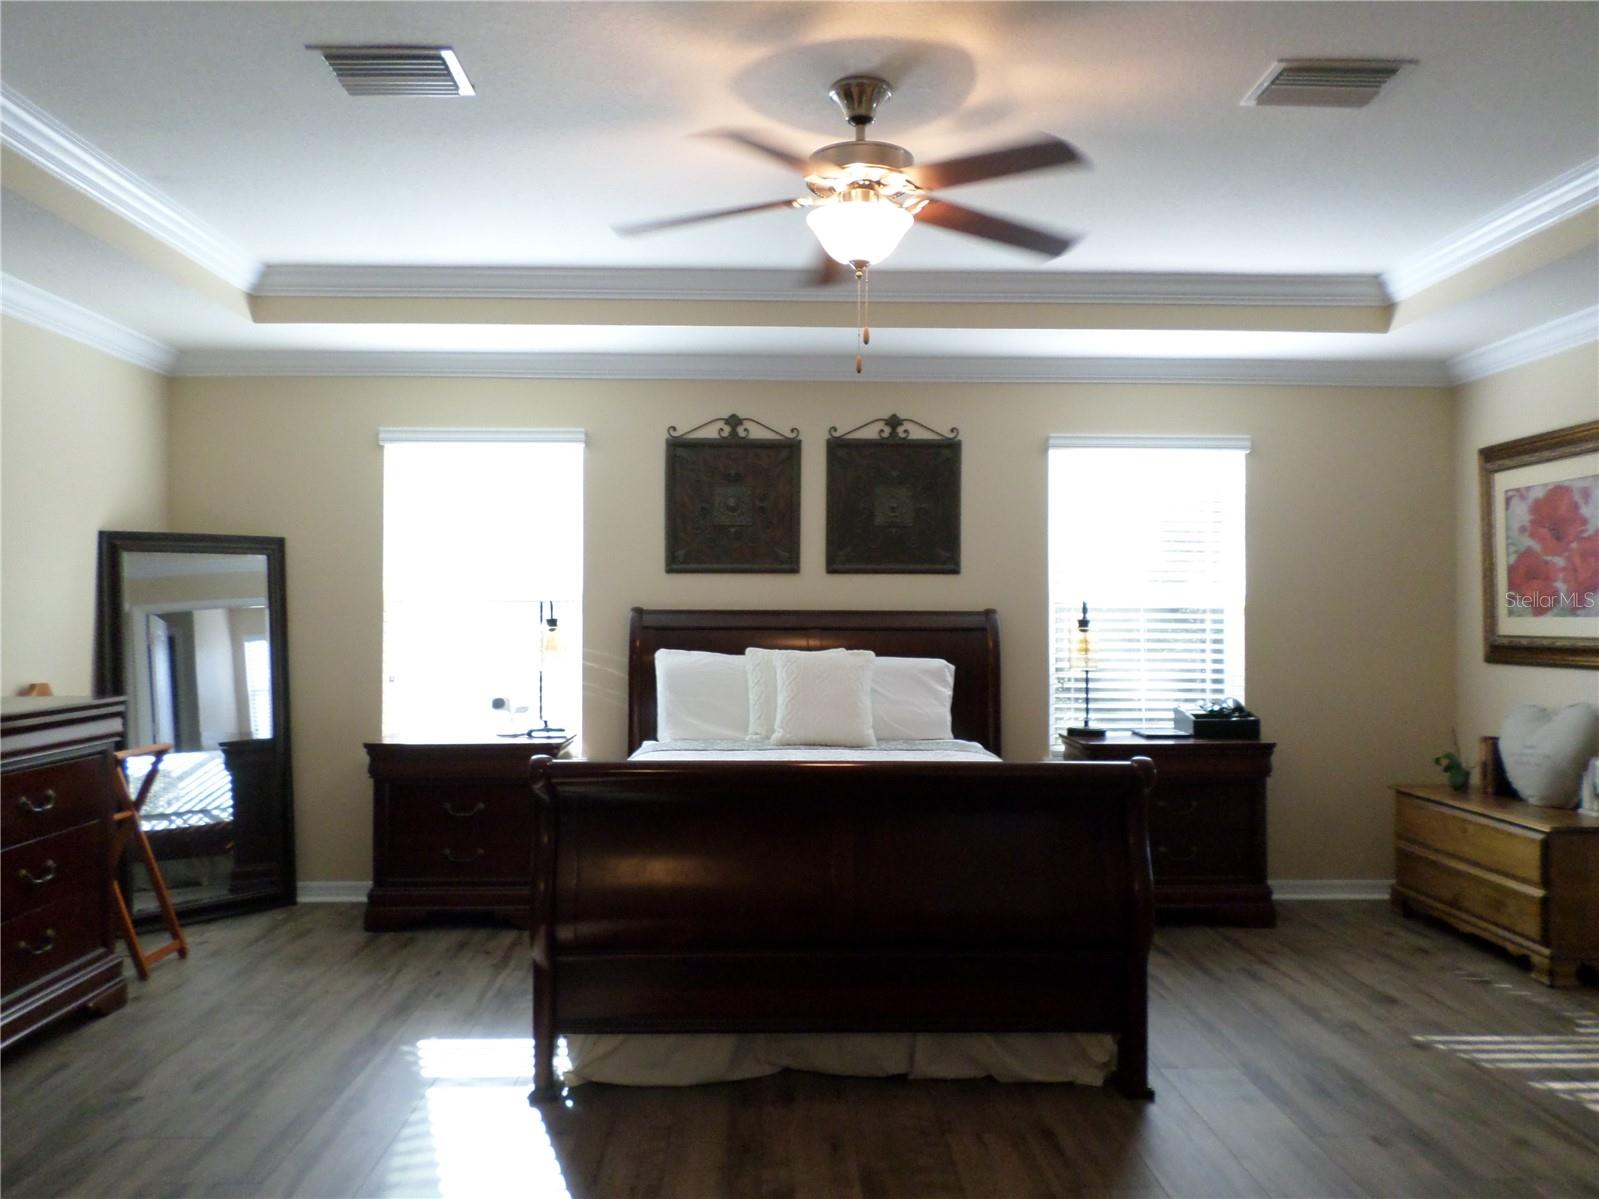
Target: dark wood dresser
(452, 829)
(59, 949)
(1207, 824)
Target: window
(1149, 532)
(258, 684)
(480, 527)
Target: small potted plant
(1457, 772)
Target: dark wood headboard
(968, 639)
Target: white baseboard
(1330, 888)
(338, 892)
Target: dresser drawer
(47, 799)
(45, 940)
(1496, 847)
(1504, 902)
(47, 869)
(459, 834)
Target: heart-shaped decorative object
(1545, 752)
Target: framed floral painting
(1540, 548)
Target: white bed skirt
(689, 1059)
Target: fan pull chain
(863, 331)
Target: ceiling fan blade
(695, 218)
(827, 270)
(993, 228)
(789, 158)
(1046, 151)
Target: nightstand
(452, 828)
(1207, 823)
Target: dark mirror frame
(109, 680)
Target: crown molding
(48, 311)
(1561, 197)
(814, 367)
(1541, 341)
(970, 287)
(46, 142)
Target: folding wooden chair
(128, 828)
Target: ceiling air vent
(397, 70)
(1325, 82)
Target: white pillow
(760, 669)
(700, 696)
(911, 699)
(1545, 752)
(824, 698)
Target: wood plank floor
(1347, 1052)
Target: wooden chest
(58, 948)
(452, 829)
(1523, 877)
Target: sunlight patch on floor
(1556, 1057)
(474, 1136)
(483, 1057)
(487, 1141)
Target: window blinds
(1150, 533)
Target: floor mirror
(192, 630)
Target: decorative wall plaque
(732, 501)
(893, 501)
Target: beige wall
(83, 447)
(1351, 612)
(1535, 398)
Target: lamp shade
(859, 226)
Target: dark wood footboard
(842, 896)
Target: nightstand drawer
(36, 803)
(1504, 902)
(48, 868)
(1198, 850)
(459, 833)
(1495, 846)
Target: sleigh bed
(675, 895)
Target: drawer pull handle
(460, 858)
(1187, 856)
(472, 811)
(38, 880)
(1187, 809)
(38, 951)
(37, 807)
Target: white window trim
(1114, 441)
(393, 436)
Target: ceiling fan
(866, 194)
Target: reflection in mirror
(191, 639)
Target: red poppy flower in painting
(1555, 520)
(1534, 582)
(1581, 575)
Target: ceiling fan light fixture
(859, 227)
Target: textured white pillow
(700, 696)
(1545, 752)
(824, 698)
(911, 699)
(760, 671)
